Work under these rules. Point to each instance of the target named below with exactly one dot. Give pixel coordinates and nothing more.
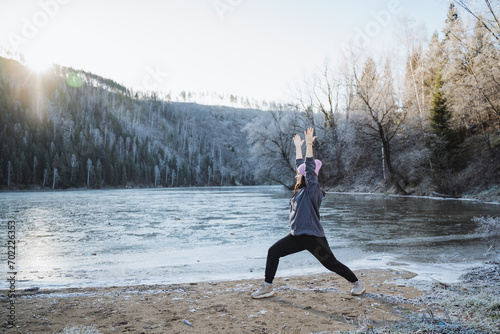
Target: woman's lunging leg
(283, 247)
(318, 246)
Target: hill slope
(68, 128)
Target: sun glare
(38, 64)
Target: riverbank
(471, 305)
(489, 195)
(302, 304)
(395, 301)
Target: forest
(428, 126)
(423, 119)
(67, 128)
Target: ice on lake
(177, 235)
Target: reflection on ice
(120, 237)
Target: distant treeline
(64, 129)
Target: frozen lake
(176, 235)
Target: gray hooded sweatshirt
(304, 205)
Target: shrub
(490, 227)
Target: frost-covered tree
(74, 164)
(35, 164)
(379, 116)
(10, 170)
(412, 37)
(434, 62)
(270, 138)
(89, 170)
(327, 96)
(484, 71)
(45, 176)
(472, 74)
(157, 175)
(55, 178)
(487, 15)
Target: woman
(306, 230)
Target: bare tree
(488, 16)
(35, 163)
(322, 95)
(270, 138)
(413, 38)
(73, 163)
(471, 72)
(380, 117)
(45, 176)
(157, 175)
(55, 177)
(9, 172)
(89, 169)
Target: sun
(38, 63)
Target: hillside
(67, 128)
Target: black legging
(317, 246)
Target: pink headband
(302, 168)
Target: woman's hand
(309, 135)
(298, 141)
(298, 146)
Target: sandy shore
(305, 304)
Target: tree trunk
(54, 178)
(392, 173)
(9, 173)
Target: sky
(251, 48)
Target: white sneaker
(266, 290)
(358, 288)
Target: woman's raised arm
(309, 135)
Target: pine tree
(442, 143)
(440, 112)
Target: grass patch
(470, 306)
